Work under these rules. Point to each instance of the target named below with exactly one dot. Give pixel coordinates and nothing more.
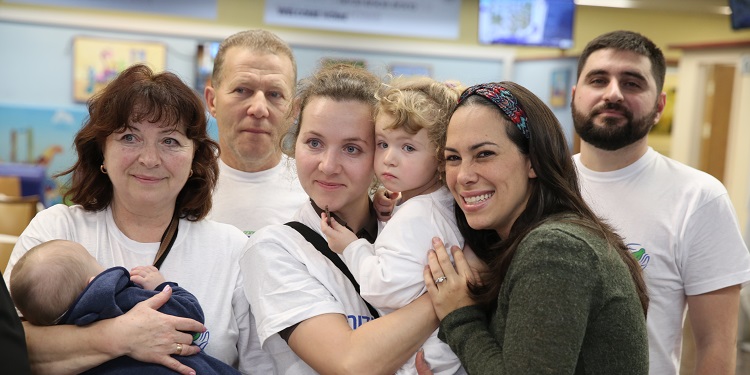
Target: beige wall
(665, 28)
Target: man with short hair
(251, 90)
(678, 221)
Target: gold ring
(179, 349)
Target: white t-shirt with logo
(288, 281)
(681, 226)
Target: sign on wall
(418, 18)
(182, 8)
(98, 61)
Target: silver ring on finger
(440, 279)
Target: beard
(611, 136)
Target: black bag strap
(167, 240)
(320, 243)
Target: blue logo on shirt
(201, 339)
(356, 321)
(639, 253)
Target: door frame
(688, 118)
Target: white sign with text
(416, 18)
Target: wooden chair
(7, 242)
(16, 213)
(10, 185)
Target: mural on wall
(37, 142)
(97, 61)
(39, 138)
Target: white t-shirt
(681, 226)
(250, 201)
(390, 271)
(203, 260)
(287, 280)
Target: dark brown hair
(137, 95)
(628, 41)
(555, 195)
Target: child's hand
(478, 267)
(384, 202)
(339, 237)
(147, 276)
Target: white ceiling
(700, 6)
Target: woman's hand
(384, 202)
(142, 333)
(447, 285)
(147, 277)
(338, 236)
(151, 336)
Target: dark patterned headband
(503, 98)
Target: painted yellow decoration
(97, 61)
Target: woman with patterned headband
(561, 294)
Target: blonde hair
(257, 40)
(418, 103)
(339, 82)
(45, 282)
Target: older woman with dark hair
(562, 293)
(142, 186)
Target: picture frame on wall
(97, 61)
(204, 64)
(327, 61)
(559, 88)
(407, 69)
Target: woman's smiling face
(485, 171)
(148, 165)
